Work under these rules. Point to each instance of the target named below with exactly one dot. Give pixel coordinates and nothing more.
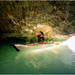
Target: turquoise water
(56, 61)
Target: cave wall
(15, 16)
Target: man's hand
(34, 28)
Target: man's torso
(40, 39)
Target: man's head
(41, 33)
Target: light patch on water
(74, 61)
(38, 50)
(17, 57)
(39, 64)
(35, 64)
(71, 43)
(54, 51)
(49, 48)
(39, 59)
(26, 63)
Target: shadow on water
(53, 61)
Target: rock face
(18, 18)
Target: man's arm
(35, 31)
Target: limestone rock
(47, 30)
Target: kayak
(19, 47)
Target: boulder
(47, 30)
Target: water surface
(55, 61)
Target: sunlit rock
(26, 29)
(34, 27)
(65, 37)
(46, 29)
(38, 25)
(31, 31)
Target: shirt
(40, 39)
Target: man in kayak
(40, 37)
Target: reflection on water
(46, 58)
(40, 59)
(54, 51)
